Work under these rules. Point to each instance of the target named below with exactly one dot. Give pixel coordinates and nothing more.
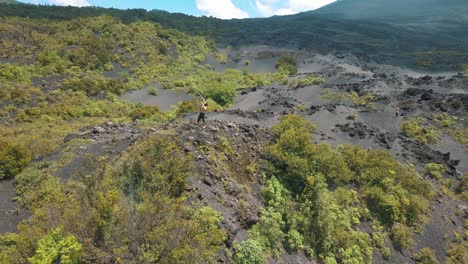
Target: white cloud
(270, 7)
(79, 3)
(224, 9)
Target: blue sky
(225, 9)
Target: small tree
(13, 159)
(249, 252)
(401, 236)
(57, 247)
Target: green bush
(13, 159)
(153, 91)
(425, 256)
(14, 73)
(457, 253)
(186, 107)
(57, 247)
(401, 236)
(288, 64)
(248, 252)
(222, 94)
(414, 127)
(311, 80)
(93, 85)
(143, 112)
(221, 57)
(435, 170)
(294, 240)
(444, 120)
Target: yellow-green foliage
(308, 81)
(329, 94)
(365, 100)
(435, 170)
(221, 87)
(135, 206)
(153, 91)
(425, 256)
(13, 159)
(86, 45)
(465, 70)
(221, 57)
(92, 85)
(287, 64)
(143, 112)
(450, 126)
(41, 128)
(444, 120)
(461, 135)
(14, 73)
(401, 236)
(386, 191)
(415, 128)
(249, 252)
(58, 247)
(457, 253)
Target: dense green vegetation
(13, 159)
(359, 100)
(437, 45)
(121, 199)
(308, 81)
(449, 124)
(415, 128)
(304, 213)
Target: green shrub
(435, 170)
(13, 159)
(288, 64)
(222, 94)
(186, 107)
(289, 154)
(457, 253)
(311, 80)
(248, 252)
(425, 256)
(401, 236)
(414, 127)
(143, 112)
(93, 85)
(57, 247)
(221, 57)
(294, 240)
(465, 70)
(444, 120)
(461, 135)
(14, 73)
(153, 91)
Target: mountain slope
(399, 10)
(432, 35)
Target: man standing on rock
(397, 112)
(203, 108)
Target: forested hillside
(418, 38)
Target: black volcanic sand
(10, 214)
(165, 98)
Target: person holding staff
(203, 108)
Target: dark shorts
(201, 116)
